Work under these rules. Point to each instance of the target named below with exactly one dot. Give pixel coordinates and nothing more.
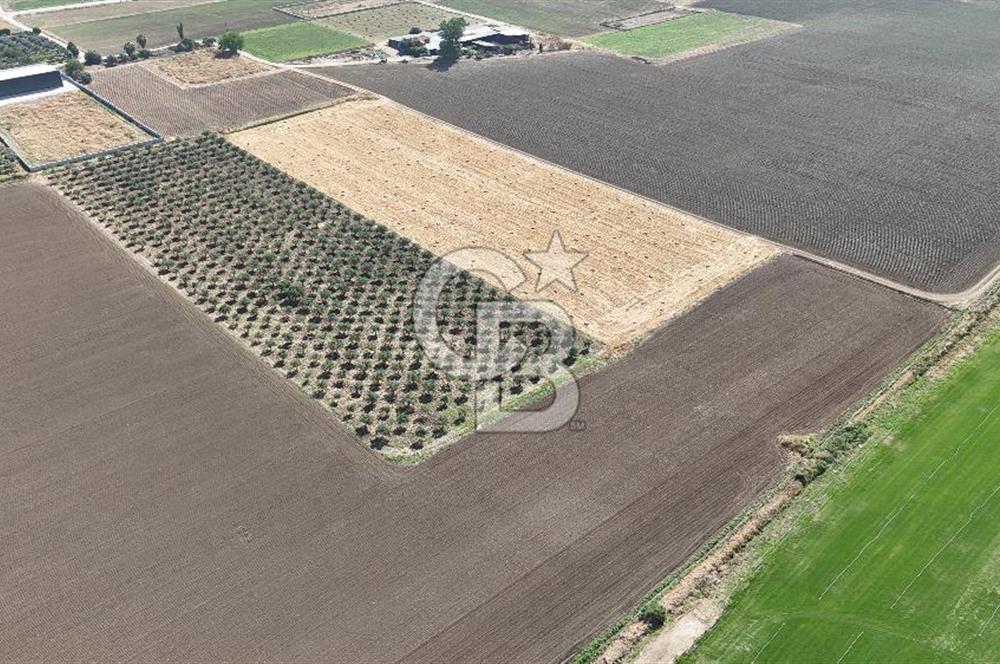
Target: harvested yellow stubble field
(63, 126)
(447, 189)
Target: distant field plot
(173, 110)
(24, 48)
(160, 27)
(322, 294)
(389, 21)
(64, 126)
(70, 16)
(296, 41)
(690, 34)
(902, 561)
(570, 18)
(326, 8)
(24, 5)
(446, 190)
(864, 145)
(206, 66)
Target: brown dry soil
(166, 497)
(174, 110)
(205, 66)
(66, 125)
(448, 190)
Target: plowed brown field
(174, 110)
(447, 190)
(167, 498)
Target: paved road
(167, 497)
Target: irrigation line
(913, 494)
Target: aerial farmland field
(645, 264)
(113, 380)
(873, 160)
(676, 337)
(689, 34)
(900, 561)
(319, 292)
(203, 19)
(296, 41)
(172, 109)
(65, 126)
(380, 23)
(569, 18)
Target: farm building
(32, 79)
(486, 36)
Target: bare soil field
(862, 137)
(201, 509)
(173, 110)
(447, 190)
(389, 21)
(64, 126)
(205, 66)
(327, 8)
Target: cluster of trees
(230, 43)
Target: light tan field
(8, 26)
(64, 126)
(446, 189)
(203, 67)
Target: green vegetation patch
(10, 167)
(685, 34)
(901, 561)
(380, 23)
(322, 294)
(26, 48)
(297, 41)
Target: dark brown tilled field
(866, 137)
(165, 497)
(176, 111)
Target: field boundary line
(949, 300)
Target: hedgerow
(321, 293)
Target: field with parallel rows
(323, 294)
(870, 146)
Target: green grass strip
(901, 561)
(675, 36)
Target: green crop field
(296, 41)
(202, 20)
(685, 34)
(902, 561)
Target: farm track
(862, 138)
(198, 507)
(173, 110)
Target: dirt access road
(165, 497)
